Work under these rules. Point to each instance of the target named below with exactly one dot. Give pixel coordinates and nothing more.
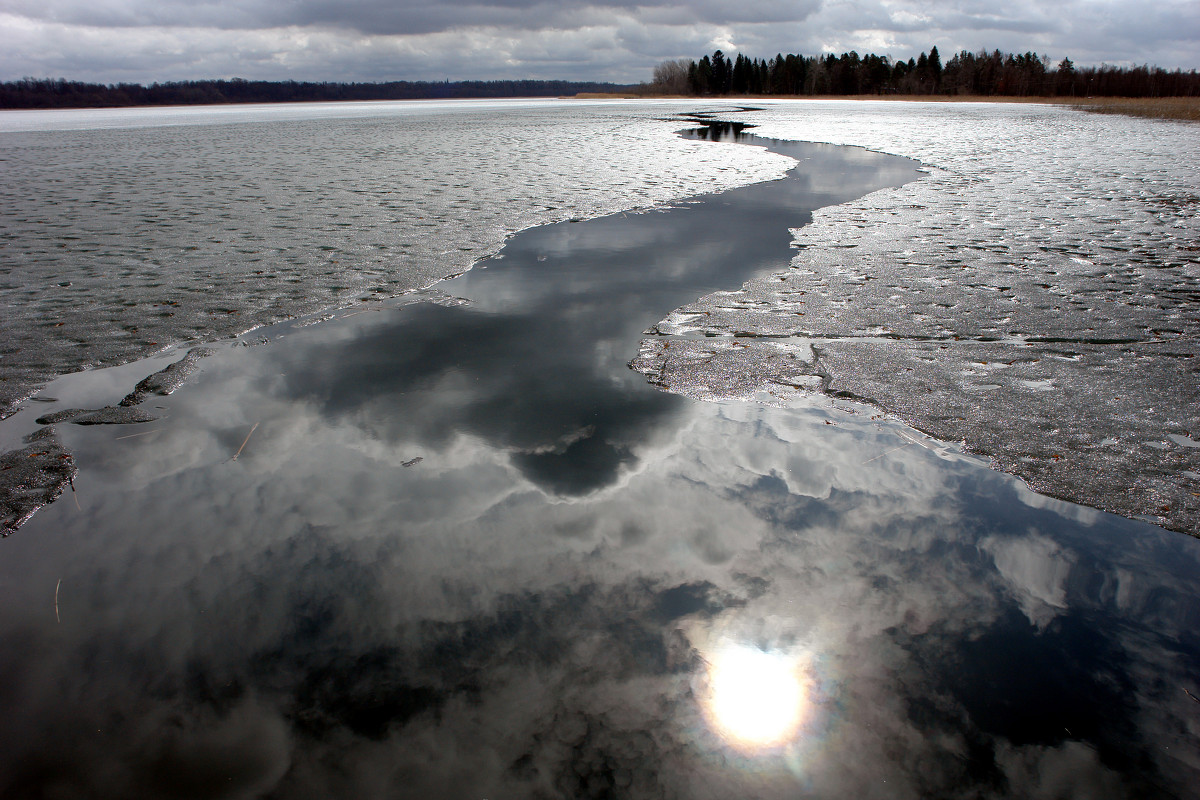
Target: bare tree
(671, 77)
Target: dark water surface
(457, 548)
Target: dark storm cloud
(375, 17)
(614, 40)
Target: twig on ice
(248, 435)
(894, 449)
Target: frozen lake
(1035, 296)
(124, 231)
(447, 543)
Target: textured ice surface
(168, 379)
(122, 232)
(1036, 296)
(34, 475)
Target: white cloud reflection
(1036, 569)
(755, 699)
(503, 644)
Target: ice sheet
(1036, 296)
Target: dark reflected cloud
(467, 657)
(514, 381)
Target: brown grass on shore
(608, 96)
(1177, 108)
(909, 98)
(1182, 108)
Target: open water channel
(451, 545)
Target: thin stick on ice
(248, 435)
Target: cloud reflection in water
(755, 699)
(346, 625)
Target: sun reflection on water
(756, 699)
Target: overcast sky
(609, 40)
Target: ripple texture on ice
(1036, 296)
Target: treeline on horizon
(61, 93)
(982, 73)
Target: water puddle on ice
(454, 546)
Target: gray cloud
(405, 17)
(619, 40)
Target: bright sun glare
(756, 698)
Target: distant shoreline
(31, 93)
(51, 94)
(1175, 108)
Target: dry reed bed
(1178, 108)
(1182, 108)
